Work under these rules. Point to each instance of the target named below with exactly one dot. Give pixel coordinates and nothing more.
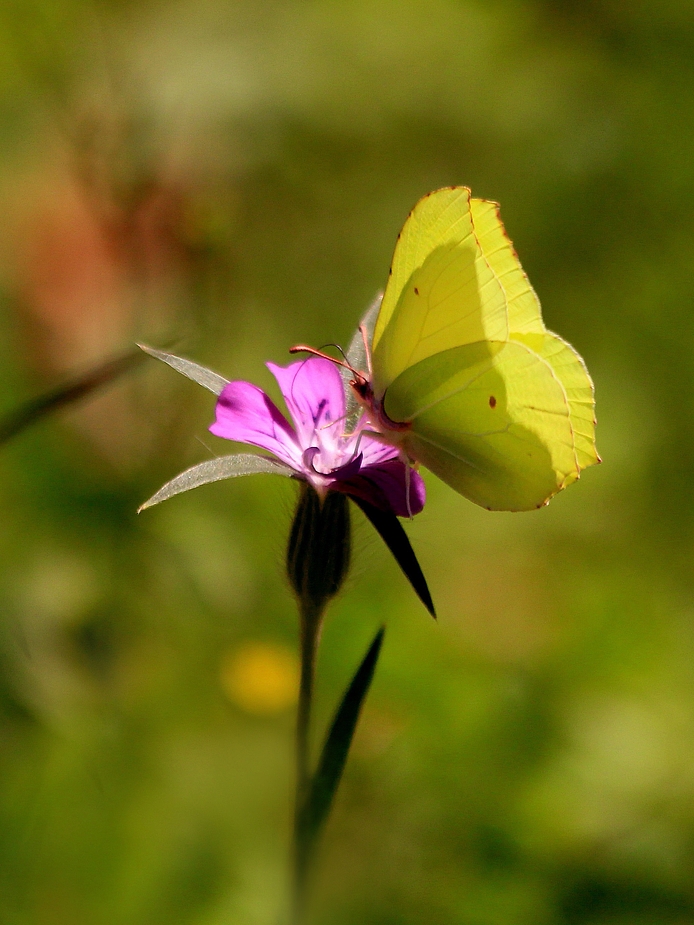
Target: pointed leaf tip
(393, 535)
(214, 470)
(200, 374)
(334, 755)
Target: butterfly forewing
(442, 291)
(524, 314)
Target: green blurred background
(229, 178)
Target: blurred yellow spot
(261, 678)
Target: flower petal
(312, 390)
(375, 451)
(342, 473)
(385, 487)
(245, 413)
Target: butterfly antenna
(303, 348)
(300, 348)
(207, 446)
(347, 364)
(296, 375)
(367, 349)
(344, 355)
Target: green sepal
(318, 551)
(393, 535)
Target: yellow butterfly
(463, 375)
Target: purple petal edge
(312, 390)
(244, 413)
(385, 487)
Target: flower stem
(317, 562)
(302, 841)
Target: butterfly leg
(409, 465)
(408, 483)
(367, 349)
(357, 444)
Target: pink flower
(317, 448)
(326, 446)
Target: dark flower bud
(319, 547)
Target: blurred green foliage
(230, 176)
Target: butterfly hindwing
(492, 420)
(571, 371)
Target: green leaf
(334, 756)
(200, 374)
(214, 470)
(67, 394)
(393, 535)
